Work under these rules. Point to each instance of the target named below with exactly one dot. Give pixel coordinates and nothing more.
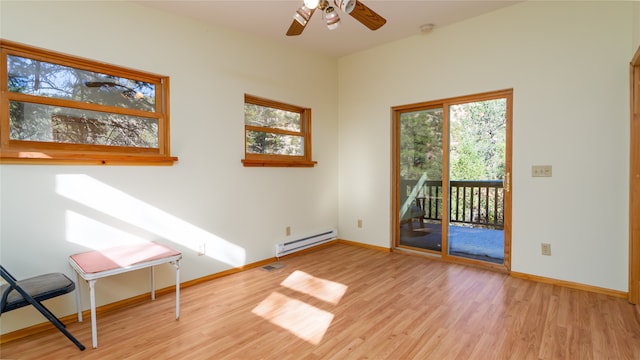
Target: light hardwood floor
(347, 302)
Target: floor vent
(292, 246)
(273, 266)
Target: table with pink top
(93, 265)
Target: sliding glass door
(452, 177)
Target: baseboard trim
(363, 245)
(570, 284)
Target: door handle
(507, 182)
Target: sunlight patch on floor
(303, 320)
(325, 290)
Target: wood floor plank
(348, 302)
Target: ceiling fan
(355, 8)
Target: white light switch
(541, 171)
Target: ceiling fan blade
(296, 28)
(367, 17)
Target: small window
(276, 134)
(57, 108)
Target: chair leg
(52, 318)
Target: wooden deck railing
(472, 202)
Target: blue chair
(32, 291)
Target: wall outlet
(546, 249)
(287, 230)
(201, 249)
(359, 223)
(541, 171)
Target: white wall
(568, 65)
(636, 25)
(50, 212)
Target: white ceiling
(271, 19)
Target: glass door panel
(477, 154)
(420, 179)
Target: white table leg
(78, 306)
(94, 328)
(177, 265)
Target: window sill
(275, 163)
(42, 158)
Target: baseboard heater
(292, 246)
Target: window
(276, 134)
(57, 109)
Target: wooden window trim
(271, 160)
(34, 152)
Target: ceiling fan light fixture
(355, 8)
(345, 5)
(332, 18)
(302, 15)
(311, 4)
